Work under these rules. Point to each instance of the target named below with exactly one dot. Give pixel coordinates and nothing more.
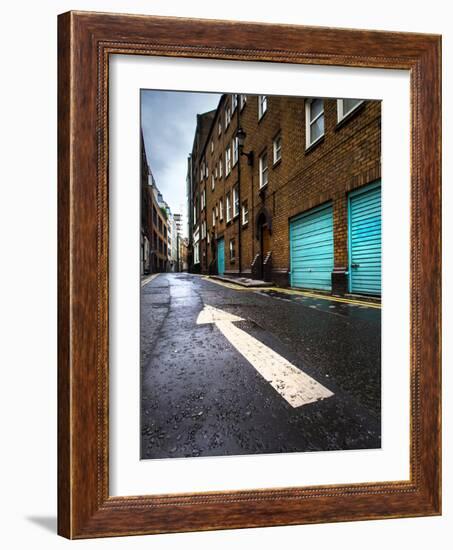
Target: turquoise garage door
(311, 249)
(365, 240)
(221, 256)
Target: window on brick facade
(264, 173)
(227, 160)
(262, 105)
(212, 146)
(220, 168)
(227, 116)
(221, 209)
(235, 150)
(213, 217)
(242, 101)
(277, 148)
(203, 199)
(232, 249)
(346, 106)
(196, 253)
(228, 207)
(206, 172)
(234, 102)
(314, 120)
(245, 212)
(212, 182)
(235, 200)
(203, 229)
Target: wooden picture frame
(85, 41)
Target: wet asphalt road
(201, 397)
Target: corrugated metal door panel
(365, 240)
(311, 249)
(221, 256)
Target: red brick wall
(347, 157)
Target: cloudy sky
(168, 121)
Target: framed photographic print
(249, 275)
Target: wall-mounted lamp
(241, 135)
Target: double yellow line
(293, 292)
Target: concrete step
(243, 281)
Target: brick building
(287, 190)
(154, 237)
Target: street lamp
(241, 135)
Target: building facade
(287, 190)
(154, 234)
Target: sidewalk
(148, 278)
(242, 281)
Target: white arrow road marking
(296, 387)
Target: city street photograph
(260, 274)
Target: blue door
(221, 256)
(311, 249)
(365, 240)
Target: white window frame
(203, 199)
(235, 200)
(277, 150)
(213, 217)
(340, 108)
(212, 182)
(221, 209)
(219, 127)
(231, 247)
(245, 212)
(262, 106)
(227, 116)
(220, 168)
(234, 102)
(263, 170)
(212, 146)
(309, 122)
(235, 147)
(196, 253)
(227, 160)
(228, 207)
(242, 100)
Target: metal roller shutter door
(365, 240)
(311, 249)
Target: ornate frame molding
(86, 40)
